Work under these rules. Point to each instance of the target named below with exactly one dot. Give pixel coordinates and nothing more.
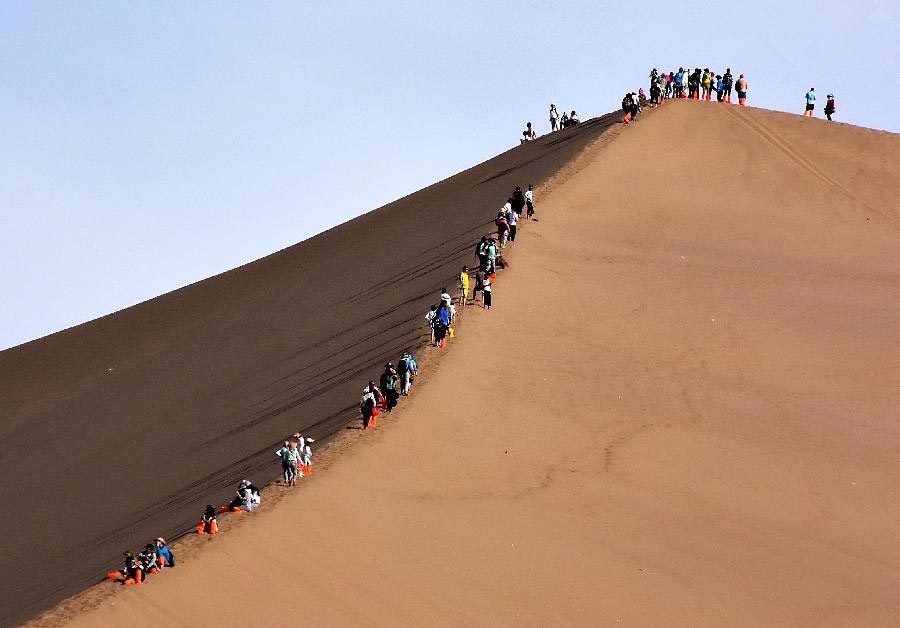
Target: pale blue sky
(147, 145)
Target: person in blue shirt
(810, 102)
(720, 88)
(164, 556)
(679, 91)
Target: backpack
(627, 102)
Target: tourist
(529, 202)
(462, 284)
(741, 87)
(830, 107)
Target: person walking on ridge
(554, 117)
(829, 107)
(741, 87)
(810, 102)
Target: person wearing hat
(810, 102)
(554, 117)
(164, 556)
(829, 107)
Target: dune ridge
(681, 411)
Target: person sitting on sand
(573, 118)
(528, 135)
(164, 555)
(208, 523)
(131, 573)
(148, 559)
(134, 569)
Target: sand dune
(119, 430)
(681, 411)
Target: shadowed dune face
(122, 429)
(681, 411)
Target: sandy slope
(127, 426)
(682, 411)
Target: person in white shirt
(529, 202)
(512, 218)
(554, 118)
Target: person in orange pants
(208, 523)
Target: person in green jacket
(290, 458)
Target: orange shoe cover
(114, 575)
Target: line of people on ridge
(557, 123)
(394, 382)
(697, 84)
(154, 558)
(830, 107)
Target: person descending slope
(829, 107)
(741, 87)
(810, 102)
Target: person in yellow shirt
(463, 285)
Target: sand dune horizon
(681, 410)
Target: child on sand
(829, 107)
